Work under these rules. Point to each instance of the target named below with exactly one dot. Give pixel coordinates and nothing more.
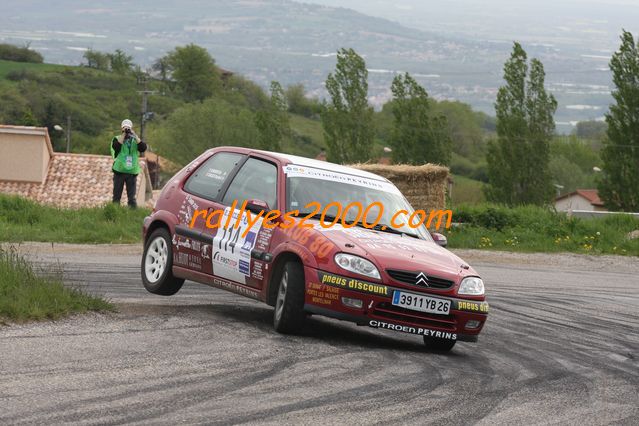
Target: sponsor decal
(320, 294)
(185, 213)
(232, 246)
(189, 260)
(186, 243)
(180, 259)
(263, 239)
(413, 330)
(216, 174)
(257, 270)
(293, 170)
(236, 288)
(353, 284)
(218, 257)
(481, 307)
(206, 251)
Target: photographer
(125, 150)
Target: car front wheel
(289, 315)
(157, 264)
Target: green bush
(532, 228)
(10, 52)
(489, 217)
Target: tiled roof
(73, 181)
(592, 195)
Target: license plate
(417, 302)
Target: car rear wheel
(157, 264)
(289, 315)
(438, 344)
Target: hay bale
(423, 186)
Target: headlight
(356, 264)
(473, 286)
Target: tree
(195, 127)
(121, 63)
(347, 118)
(162, 67)
(619, 186)
(569, 173)
(518, 160)
(28, 119)
(97, 60)
(272, 121)
(298, 103)
(464, 127)
(194, 72)
(417, 137)
(591, 129)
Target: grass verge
(25, 296)
(536, 229)
(25, 220)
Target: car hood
(394, 251)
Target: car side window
(256, 180)
(208, 179)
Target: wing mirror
(440, 239)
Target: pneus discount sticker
(353, 284)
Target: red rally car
(251, 222)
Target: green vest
(127, 159)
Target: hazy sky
(529, 20)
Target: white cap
(126, 123)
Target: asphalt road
(561, 346)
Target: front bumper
(325, 292)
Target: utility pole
(68, 133)
(146, 115)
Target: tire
(157, 264)
(289, 316)
(438, 344)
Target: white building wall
(574, 202)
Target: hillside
(45, 94)
(7, 67)
(295, 42)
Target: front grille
(411, 278)
(388, 311)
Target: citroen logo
(421, 279)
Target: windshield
(328, 187)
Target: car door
(203, 190)
(237, 249)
